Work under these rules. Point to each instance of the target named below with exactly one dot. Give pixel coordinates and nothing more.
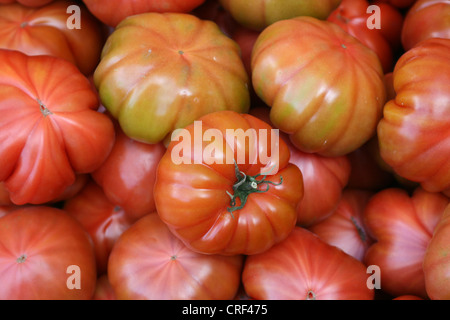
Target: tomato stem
(245, 186)
(44, 110)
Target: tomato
(30, 3)
(414, 133)
(50, 129)
(229, 196)
(45, 255)
(324, 87)
(103, 220)
(214, 11)
(324, 178)
(44, 30)
(402, 226)
(113, 12)
(424, 20)
(149, 262)
(401, 4)
(305, 267)
(352, 16)
(160, 72)
(128, 175)
(436, 263)
(258, 14)
(408, 297)
(345, 228)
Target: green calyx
(245, 186)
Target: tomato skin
(54, 115)
(186, 65)
(295, 269)
(402, 227)
(413, 134)
(401, 4)
(103, 220)
(351, 16)
(43, 30)
(149, 262)
(38, 244)
(258, 14)
(345, 228)
(424, 20)
(103, 289)
(436, 263)
(320, 114)
(107, 12)
(29, 3)
(192, 198)
(128, 175)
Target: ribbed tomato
(258, 14)
(44, 30)
(436, 263)
(402, 226)
(50, 130)
(325, 88)
(112, 12)
(161, 71)
(414, 133)
(305, 267)
(424, 20)
(45, 254)
(149, 262)
(225, 185)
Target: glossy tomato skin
(50, 130)
(325, 88)
(424, 20)
(44, 30)
(38, 245)
(345, 228)
(402, 226)
(413, 134)
(161, 71)
(193, 198)
(103, 220)
(29, 3)
(149, 262)
(352, 16)
(303, 267)
(436, 264)
(258, 14)
(128, 175)
(107, 11)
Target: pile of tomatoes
(225, 149)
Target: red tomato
(39, 246)
(414, 133)
(402, 227)
(352, 16)
(345, 228)
(30, 3)
(186, 65)
(324, 87)
(103, 289)
(44, 30)
(104, 221)
(305, 267)
(258, 14)
(402, 4)
(128, 174)
(54, 132)
(408, 297)
(436, 264)
(424, 20)
(149, 262)
(113, 12)
(192, 194)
